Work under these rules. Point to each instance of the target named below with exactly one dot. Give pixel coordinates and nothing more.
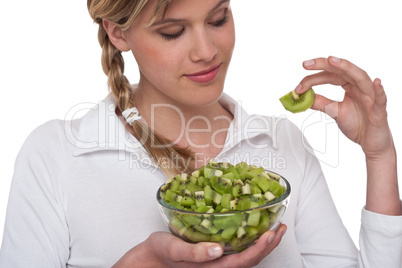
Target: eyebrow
(164, 21)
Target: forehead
(157, 10)
(191, 8)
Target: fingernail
(214, 252)
(270, 238)
(379, 80)
(309, 63)
(335, 59)
(284, 231)
(298, 88)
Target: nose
(203, 48)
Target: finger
(380, 103)
(254, 254)
(349, 71)
(178, 250)
(320, 78)
(326, 105)
(320, 64)
(380, 96)
(359, 76)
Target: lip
(205, 76)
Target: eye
(220, 22)
(172, 36)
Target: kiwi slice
(192, 219)
(244, 238)
(228, 233)
(199, 198)
(221, 185)
(209, 172)
(297, 103)
(225, 201)
(194, 235)
(223, 222)
(253, 218)
(206, 227)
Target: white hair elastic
(131, 115)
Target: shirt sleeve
(323, 238)
(36, 233)
(380, 240)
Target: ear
(116, 35)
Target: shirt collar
(244, 126)
(101, 129)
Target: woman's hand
(163, 249)
(362, 117)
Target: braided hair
(170, 158)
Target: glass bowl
(234, 230)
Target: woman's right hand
(163, 249)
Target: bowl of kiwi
(232, 205)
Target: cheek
(225, 40)
(230, 39)
(155, 57)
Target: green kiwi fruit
(220, 187)
(244, 237)
(195, 236)
(297, 103)
(228, 233)
(223, 222)
(206, 227)
(199, 198)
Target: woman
(86, 199)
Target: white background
(50, 61)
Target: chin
(203, 96)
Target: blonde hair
(170, 158)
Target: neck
(202, 129)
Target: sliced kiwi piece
(244, 237)
(221, 185)
(206, 227)
(203, 209)
(199, 198)
(209, 172)
(223, 221)
(191, 219)
(242, 166)
(187, 201)
(253, 218)
(225, 167)
(195, 236)
(226, 198)
(297, 103)
(243, 203)
(263, 225)
(172, 196)
(228, 233)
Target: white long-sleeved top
(84, 193)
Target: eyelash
(217, 24)
(221, 22)
(172, 36)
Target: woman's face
(184, 57)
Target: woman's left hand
(362, 117)
(362, 114)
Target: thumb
(326, 105)
(200, 252)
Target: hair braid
(169, 157)
(113, 67)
